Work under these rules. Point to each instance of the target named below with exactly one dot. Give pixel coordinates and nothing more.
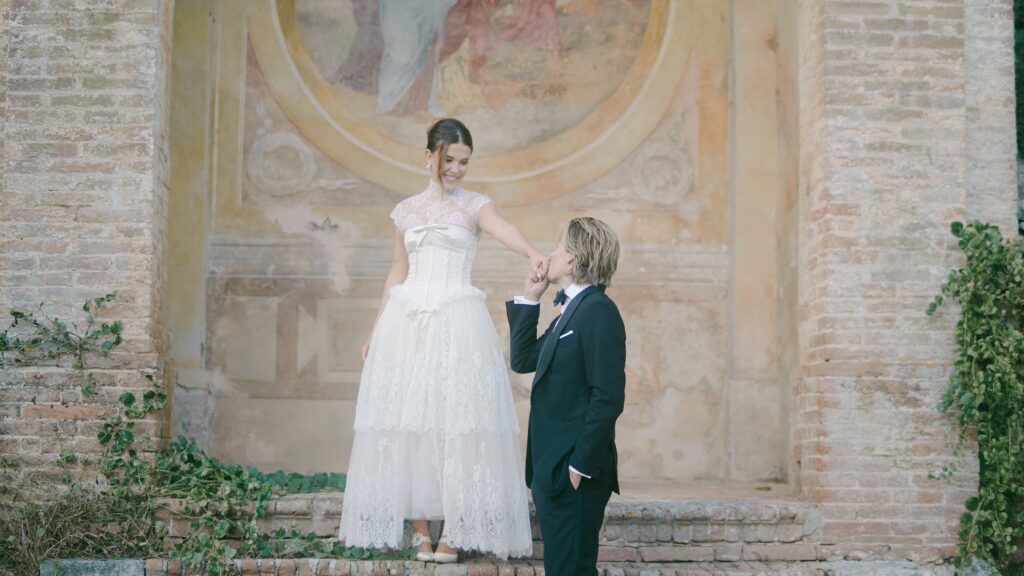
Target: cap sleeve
(476, 202)
(398, 215)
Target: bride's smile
(454, 160)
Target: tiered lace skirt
(436, 435)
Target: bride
(436, 435)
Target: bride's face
(453, 166)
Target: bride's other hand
(366, 350)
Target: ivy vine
(986, 390)
(35, 339)
(116, 514)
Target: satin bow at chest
(448, 235)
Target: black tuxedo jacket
(578, 389)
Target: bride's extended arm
(509, 235)
(399, 270)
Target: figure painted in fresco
(362, 67)
(527, 69)
(536, 22)
(412, 49)
(436, 434)
(398, 52)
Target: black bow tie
(560, 297)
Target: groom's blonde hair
(595, 250)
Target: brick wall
(990, 101)
(898, 140)
(906, 123)
(84, 206)
(4, 17)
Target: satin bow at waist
(420, 308)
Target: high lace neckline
(434, 205)
(436, 190)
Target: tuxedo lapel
(547, 351)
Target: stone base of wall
(649, 533)
(767, 537)
(329, 567)
(324, 567)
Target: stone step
(648, 532)
(332, 567)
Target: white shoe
(445, 557)
(419, 540)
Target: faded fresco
(524, 70)
(613, 108)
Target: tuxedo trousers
(570, 527)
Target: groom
(578, 390)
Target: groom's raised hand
(535, 285)
(540, 265)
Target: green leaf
(966, 400)
(222, 529)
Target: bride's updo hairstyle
(444, 133)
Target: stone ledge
(770, 524)
(95, 568)
(340, 567)
(655, 535)
(332, 567)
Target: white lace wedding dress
(436, 434)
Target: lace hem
(475, 480)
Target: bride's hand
(366, 350)
(540, 266)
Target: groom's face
(560, 269)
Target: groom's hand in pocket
(575, 480)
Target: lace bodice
(459, 207)
(441, 233)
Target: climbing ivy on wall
(986, 389)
